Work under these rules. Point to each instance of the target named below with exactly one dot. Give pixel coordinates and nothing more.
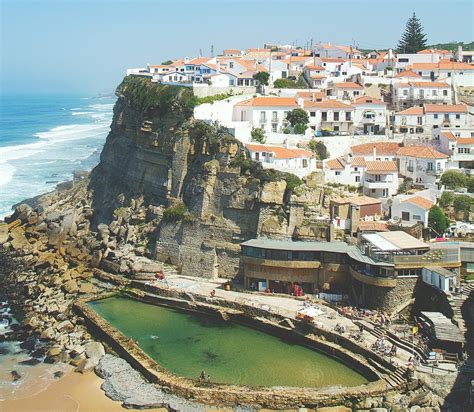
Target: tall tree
(414, 38)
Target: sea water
(44, 139)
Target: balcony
(435, 257)
(293, 264)
(374, 280)
(434, 172)
(372, 184)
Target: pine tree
(414, 39)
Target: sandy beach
(74, 392)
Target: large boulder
(94, 350)
(273, 192)
(3, 232)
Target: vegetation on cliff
(143, 95)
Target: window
(430, 165)
(336, 116)
(356, 93)
(420, 120)
(263, 117)
(449, 74)
(435, 92)
(338, 173)
(357, 179)
(445, 92)
(373, 190)
(274, 127)
(465, 150)
(344, 73)
(324, 116)
(403, 60)
(305, 162)
(312, 114)
(438, 166)
(416, 217)
(458, 116)
(419, 130)
(242, 116)
(231, 65)
(348, 116)
(274, 116)
(446, 117)
(406, 216)
(435, 115)
(405, 92)
(377, 178)
(336, 128)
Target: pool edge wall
(224, 394)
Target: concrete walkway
(285, 306)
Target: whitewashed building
(440, 278)
(458, 144)
(285, 159)
(331, 116)
(267, 113)
(412, 93)
(347, 91)
(408, 210)
(423, 164)
(370, 115)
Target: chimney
(313, 98)
(287, 143)
(374, 153)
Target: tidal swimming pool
(187, 343)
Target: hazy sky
(84, 46)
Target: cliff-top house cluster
(384, 118)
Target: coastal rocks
(94, 350)
(3, 232)
(125, 384)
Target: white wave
(102, 106)
(74, 113)
(72, 132)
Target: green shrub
(175, 213)
(212, 99)
(446, 199)
(284, 84)
(437, 221)
(292, 181)
(286, 130)
(262, 78)
(297, 116)
(258, 135)
(300, 128)
(463, 203)
(319, 149)
(453, 180)
(470, 185)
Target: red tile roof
(358, 161)
(408, 73)
(412, 111)
(269, 102)
(348, 85)
(334, 164)
(419, 201)
(364, 200)
(445, 108)
(382, 148)
(381, 166)
(422, 152)
(369, 226)
(328, 104)
(280, 152)
(449, 135)
(465, 140)
(367, 100)
(432, 85)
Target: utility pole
(212, 50)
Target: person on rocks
(213, 293)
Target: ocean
(44, 139)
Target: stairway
(396, 378)
(169, 270)
(457, 301)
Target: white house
(456, 72)
(428, 56)
(370, 115)
(345, 91)
(411, 209)
(268, 113)
(459, 145)
(440, 278)
(446, 115)
(330, 115)
(411, 120)
(408, 76)
(336, 51)
(376, 150)
(378, 178)
(316, 76)
(285, 159)
(414, 93)
(423, 164)
(232, 52)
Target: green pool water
(187, 343)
